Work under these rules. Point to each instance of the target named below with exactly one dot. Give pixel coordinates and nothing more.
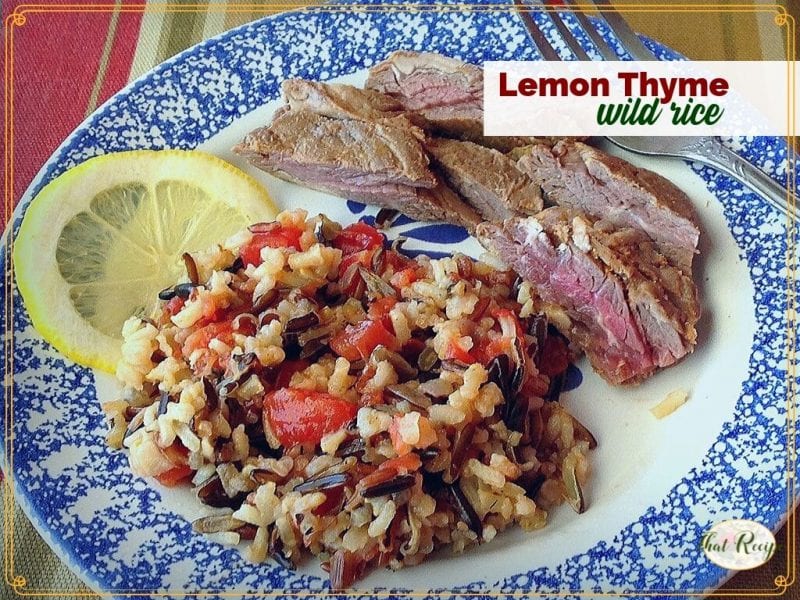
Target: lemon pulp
(99, 242)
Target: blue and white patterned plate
(657, 485)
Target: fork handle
(714, 154)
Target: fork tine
(630, 41)
(537, 36)
(566, 34)
(602, 46)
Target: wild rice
(369, 430)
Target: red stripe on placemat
(56, 62)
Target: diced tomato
(404, 278)
(297, 416)
(174, 306)
(201, 337)
(403, 464)
(289, 368)
(379, 311)
(372, 398)
(488, 349)
(363, 257)
(399, 445)
(211, 314)
(333, 498)
(554, 356)
(357, 237)
(381, 307)
(358, 341)
(397, 261)
(273, 235)
(175, 475)
(176, 453)
(455, 351)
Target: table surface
(52, 55)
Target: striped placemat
(67, 64)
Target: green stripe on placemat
(178, 33)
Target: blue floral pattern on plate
(113, 529)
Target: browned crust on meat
(339, 100)
(315, 139)
(486, 178)
(663, 190)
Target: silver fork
(706, 150)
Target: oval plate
(657, 485)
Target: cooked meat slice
(578, 176)
(632, 254)
(662, 298)
(445, 93)
(442, 94)
(422, 80)
(317, 149)
(423, 204)
(338, 100)
(509, 143)
(450, 207)
(609, 299)
(376, 163)
(485, 178)
(600, 321)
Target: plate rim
(57, 157)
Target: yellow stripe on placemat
(104, 57)
(215, 19)
(147, 45)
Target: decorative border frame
(18, 18)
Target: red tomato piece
(175, 475)
(297, 416)
(273, 235)
(381, 307)
(397, 261)
(174, 306)
(357, 237)
(358, 341)
(398, 444)
(404, 278)
(455, 351)
(333, 499)
(372, 398)
(485, 352)
(403, 464)
(177, 453)
(201, 337)
(289, 368)
(363, 257)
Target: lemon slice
(99, 242)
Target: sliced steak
(376, 163)
(441, 94)
(341, 150)
(578, 176)
(485, 178)
(423, 80)
(600, 289)
(339, 101)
